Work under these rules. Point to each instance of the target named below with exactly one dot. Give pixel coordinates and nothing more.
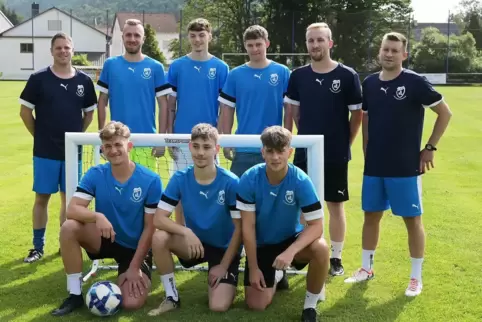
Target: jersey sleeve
(87, 186)
(161, 84)
(246, 194)
(171, 196)
(354, 94)
(103, 82)
(223, 76)
(228, 93)
(308, 200)
(292, 96)
(364, 97)
(30, 94)
(426, 94)
(172, 77)
(90, 100)
(231, 198)
(153, 196)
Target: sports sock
(367, 259)
(417, 269)
(311, 300)
(39, 239)
(169, 284)
(278, 276)
(336, 249)
(74, 283)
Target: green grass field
(452, 268)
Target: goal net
(92, 71)
(76, 164)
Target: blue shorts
(402, 195)
(242, 161)
(49, 175)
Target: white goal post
(313, 143)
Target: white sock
(367, 259)
(169, 284)
(311, 300)
(417, 269)
(278, 276)
(336, 248)
(74, 283)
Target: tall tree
(151, 45)
(14, 18)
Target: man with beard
(323, 95)
(394, 103)
(130, 84)
(64, 100)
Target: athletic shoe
(33, 256)
(336, 268)
(167, 305)
(414, 288)
(283, 283)
(70, 304)
(308, 315)
(360, 275)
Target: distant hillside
(96, 10)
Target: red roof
(161, 22)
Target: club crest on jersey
(146, 74)
(136, 194)
(221, 197)
(80, 90)
(290, 197)
(212, 73)
(335, 86)
(400, 93)
(273, 79)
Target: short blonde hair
(113, 129)
(320, 25)
(276, 137)
(133, 22)
(205, 132)
(398, 37)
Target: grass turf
(452, 277)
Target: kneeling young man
(212, 228)
(121, 227)
(271, 197)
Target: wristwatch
(430, 147)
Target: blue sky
(433, 10)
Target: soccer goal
(92, 71)
(292, 60)
(89, 144)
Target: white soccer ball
(104, 298)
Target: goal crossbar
(313, 143)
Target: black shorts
(122, 255)
(336, 180)
(213, 256)
(266, 255)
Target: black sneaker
(336, 268)
(308, 315)
(283, 284)
(70, 304)
(33, 256)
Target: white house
(164, 24)
(4, 22)
(26, 47)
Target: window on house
(26, 48)
(55, 25)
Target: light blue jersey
(257, 95)
(196, 84)
(208, 209)
(278, 208)
(132, 88)
(123, 204)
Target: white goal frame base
(315, 166)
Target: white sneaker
(414, 287)
(359, 276)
